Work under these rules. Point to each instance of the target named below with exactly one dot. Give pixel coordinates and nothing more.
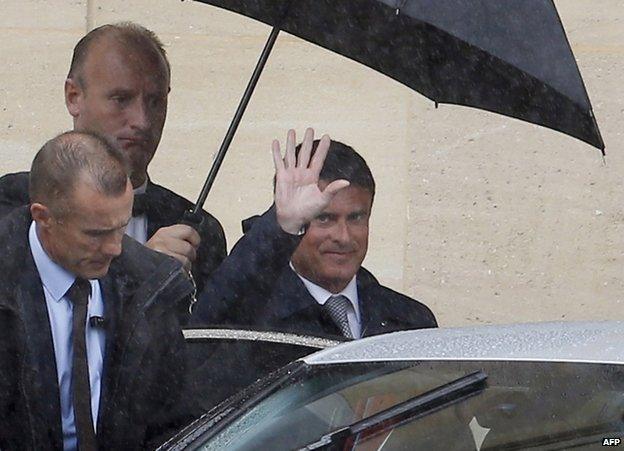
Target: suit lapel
(372, 314)
(380, 313)
(40, 375)
(112, 313)
(160, 212)
(294, 308)
(127, 301)
(121, 360)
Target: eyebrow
(119, 91)
(112, 229)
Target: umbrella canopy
(511, 58)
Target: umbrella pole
(216, 164)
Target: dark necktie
(81, 390)
(140, 205)
(336, 307)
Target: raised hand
(298, 198)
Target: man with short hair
(325, 290)
(91, 345)
(92, 348)
(117, 86)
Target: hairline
(73, 142)
(119, 33)
(351, 184)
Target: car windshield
(526, 404)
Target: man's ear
(73, 96)
(40, 214)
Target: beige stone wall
(483, 218)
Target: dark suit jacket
(142, 396)
(166, 208)
(291, 308)
(248, 274)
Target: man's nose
(139, 115)
(112, 246)
(341, 233)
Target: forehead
(95, 210)
(350, 199)
(111, 60)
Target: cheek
(359, 234)
(87, 244)
(363, 242)
(317, 243)
(157, 119)
(112, 121)
(102, 121)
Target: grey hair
(61, 162)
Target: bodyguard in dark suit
(91, 345)
(117, 86)
(324, 290)
(162, 209)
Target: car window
(258, 354)
(526, 404)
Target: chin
(340, 273)
(337, 278)
(95, 272)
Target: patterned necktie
(80, 387)
(336, 307)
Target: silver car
(521, 386)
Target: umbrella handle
(192, 219)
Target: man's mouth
(132, 142)
(338, 254)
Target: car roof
(600, 341)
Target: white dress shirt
(137, 227)
(321, 295)
(56, 281)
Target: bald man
(117, 86)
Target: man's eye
(121, 100)
(323, 219)
(359, 217)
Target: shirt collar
(321, 295)
(141, 189)
(55, 278)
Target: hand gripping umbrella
(509, 57)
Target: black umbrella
(509, 57)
